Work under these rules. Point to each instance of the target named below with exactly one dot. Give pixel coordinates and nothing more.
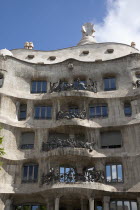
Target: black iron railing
(73, 177)
(77, 85)
(71, 115)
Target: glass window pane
(134, 205)
(67, 170)
(113, 205)
(38, 87)
(37, 112)
(113, 83)
(127, 109)
(35, 172)
(43, 112)
(106, 84)
(120, 205)
(127, 205)
(44, 87)
(25, 172)
(108, 173)
(35, 208)
(92, 112)
(114, 173)
(104, 111)
(49, 112)
(98, 111)
(30, 172)
(61, 170)
(33, 87)
(120, 175)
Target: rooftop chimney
(133, 44)
(29, 45)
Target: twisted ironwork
(70, 115)
(72, 176)
(56, 142)
(136, 84)
(78, 85)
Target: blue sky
(50, 24)
(56, 24)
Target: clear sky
(56, 24)
(50, 24)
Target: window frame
(109, 83)
(111, 172)
(30, 205)
(37, 86)
(27, 179)
(126, 106)
(41, 112)
(123, 200)
(20, 112)
(101, 106)
(64, 174)
(26, 147)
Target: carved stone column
(2, 205)
(106, 201)
(138, 201)
(57, 199)
(91, 203)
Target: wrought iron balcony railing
(77, 85)
(63, 143)
(73, 177)
(71, 115)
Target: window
(127, 109)
(27, 140)
(79, 84)
(30, 173)
(138, 75)
(109, 83)
(22, 111)
(98, 205)
(43, 112)
(111, 139)
(1, 80)
(30, 207)
(73, 109)
(98, 111)
(123, 205)
(114, 173)
(67, 174)
(39, 87)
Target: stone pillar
(91, 203)
(8, 204)
(106, 201)
(57, 203)
(138, 201)
(2, 205)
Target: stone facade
(71, 174)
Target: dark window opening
(1, 80)
(138, 75)
(30, 173)
(98, 111)
(22, 111)
(109, 83)
(127, 109)
(43, 112)
(111, 139)
(114, 173)
(38, 87)
(27, 140)
(30, 207)
(73, 110)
